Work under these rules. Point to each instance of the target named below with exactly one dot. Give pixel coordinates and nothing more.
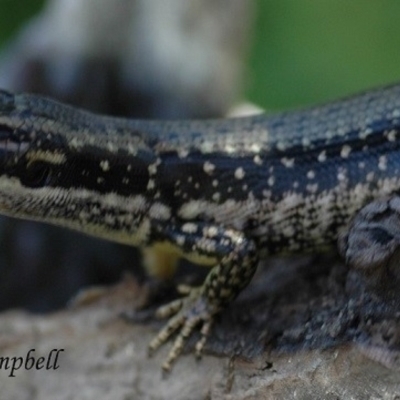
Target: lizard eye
(37, 174)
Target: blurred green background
(304, 51)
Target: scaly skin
(220, 193)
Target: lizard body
(221, 193)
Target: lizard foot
(371, 245)
(185, 315)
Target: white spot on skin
(215, 183)
(244, 187)
(189, 228)
(255, 148)
(361, 165)
(295, 184)
(110, 146)
(206, 147)
(105, 165)
(84, 216)
(129, 168)
(322, 156)
(271, 181)
(305, 141)
(363, 134)
(151, 184)
(287, 162)
(208, 167)
(183, 153)
(257, 160)
(152, 168)
(239, 173)
(280, 146)
(345, 151)
(76, 143)
(210, 232)
(370, 176)
(392, 136)
(160, 211)
(312, 188)
(382, 164)
(229, 148)
(109, 219)
(180, 240)
(100, 180)
(266, 193)
(131, 149)
(216, 196)
(341, 176)
(311, 174)
(288, 231)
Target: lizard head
(69, 167)
(27, 152)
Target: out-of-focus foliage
(304, 51)
(14, 13)
(309, 51)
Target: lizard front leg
(233, 258)
(371, 244)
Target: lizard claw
(187, 313)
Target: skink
(220, 193)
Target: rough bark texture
(302, 330)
